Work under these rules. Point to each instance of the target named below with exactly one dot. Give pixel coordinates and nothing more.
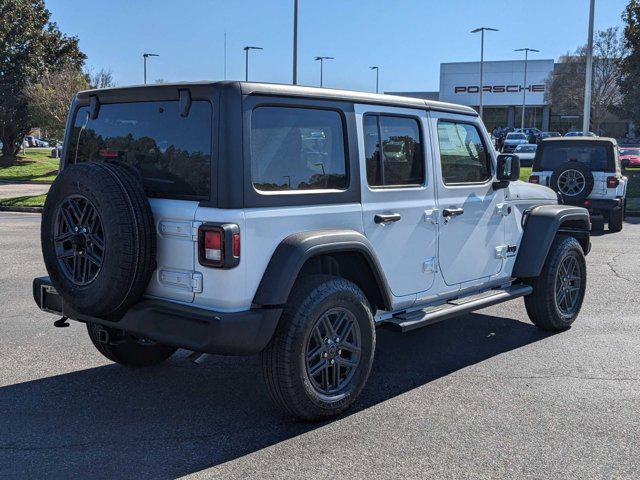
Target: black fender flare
(292, 253)
(541, 225)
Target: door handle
(452, 212)
(386, 217)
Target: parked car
(585, 171)
(30, 141)
(545, 135)
(580, 134)
(526, 152)
(41, 143)
(629, 156)
(162, 245)
(512, 140)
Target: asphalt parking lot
(483, 396)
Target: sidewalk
(9, 190)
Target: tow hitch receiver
(61, 322)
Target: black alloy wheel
(79, 240)
(333, 351)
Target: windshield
(516, 136)
(630, 151)
(173, 153)
(597, 156)
(526, 148)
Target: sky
(407, 39)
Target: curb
(23, 182)
(21, 209)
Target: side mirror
(508, 168)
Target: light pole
(377, 69)
(481, 30)
(295, 42)
(586, 115)
(524, 86)
(322, 59)
(145, 56)
(246, 61)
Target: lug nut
(332, 361)
(339, 352)
(324, 355)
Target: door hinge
(194, 230)
(430, 265)
(503, 209)
(191, 281)
(431, 216)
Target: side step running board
(405, 322)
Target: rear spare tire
(573, 180)
(98, 238)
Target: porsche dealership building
(503, 95)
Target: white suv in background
(584, 171)
(242, 218)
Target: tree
(103, 78)
(30, 46)
(629, 81)
(49, 99)
(565, 86)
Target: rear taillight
(534, 179)
(612, 182)
(219, 245)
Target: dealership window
(297, 149)
(400, 161)
(463, 155)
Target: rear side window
(297, 149)
(463, 155)
(173, 153)
(400, 161)
(598, 156)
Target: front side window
(400, 161)
(297, 149)
(463, 156)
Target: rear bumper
(193, 328)
(599, 205)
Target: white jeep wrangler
(243, 218)
(584, 171)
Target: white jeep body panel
(424, 257)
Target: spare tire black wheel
(98, 238)
(574, 181)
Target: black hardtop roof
(253, 88)
(580, 139)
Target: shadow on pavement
(179, 418)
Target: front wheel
(320, 357)
(558, 291)
(127, 350)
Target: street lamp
(145, 56)
(295, 42)
(586, 116)
(524, 86)
(322, 59)
(246, 61)
(482, 30)
(377, 69)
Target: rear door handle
(452, 212)
(386, 217)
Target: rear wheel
(321, 354)
(616, 217)
(127, 350)
(558, 291)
